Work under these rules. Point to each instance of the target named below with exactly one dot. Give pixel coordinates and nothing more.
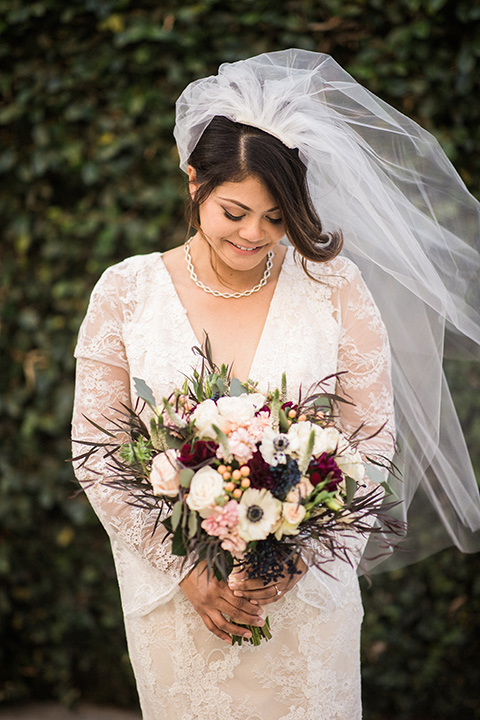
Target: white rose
(329, 440)
(164, 475)
(299, 436)
(205, 487)
(258, 400)
(292, 516)
(351, 464)
(236, 409)
(293, 513)
(206, 415)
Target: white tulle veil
(411, 226)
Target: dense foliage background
(88, 175)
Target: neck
(213, 271)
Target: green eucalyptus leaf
(351, 486)
(192, 524)
(186, 477)
(236, 388)
(144, 392)
(177, 514)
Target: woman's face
(241, 221)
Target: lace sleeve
(364, 356)
(102, 384)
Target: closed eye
(235, 218)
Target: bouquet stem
(258, 634)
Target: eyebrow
(245, 207)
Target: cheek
(213, 222)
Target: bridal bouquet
(243, 479)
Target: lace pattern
(137, 327)
(309, 670)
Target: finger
(274, 599)
(238, 600)
(226, 627)
(263, 592)
(237, 613)
(210, 625)
(245, 583)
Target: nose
(252, 229)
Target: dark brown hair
(229, 152)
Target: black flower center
(254, 513)
(281, 443)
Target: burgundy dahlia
(198, 453)
(323, 468)
(260, 473)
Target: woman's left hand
(255, 589)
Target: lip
(241, 250)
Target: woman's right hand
(213, 599)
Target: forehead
(251, 191)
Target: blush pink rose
(164, 475)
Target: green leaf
(388, 488)
(222, 440)
(186, 477)
(173, 441)
(177, 514)
(178, 546)
(351, 488)
(283, 420)
(221, 386)
(236, 388)
(144, 392)
(192, 524)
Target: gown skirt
(309, 670)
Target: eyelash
(237, 218)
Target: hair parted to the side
(229, 152)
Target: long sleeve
(364, 358)
(364, 361)
(103, 384)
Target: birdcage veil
(411, 226)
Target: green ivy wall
(88, 176)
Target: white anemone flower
(274, 447)
(258, 514)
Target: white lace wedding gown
(137, 327)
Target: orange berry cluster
(236, 481)
(293, 413)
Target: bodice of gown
(136, 326)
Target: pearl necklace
(217, 293)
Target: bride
(283, 146)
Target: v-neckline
(273, 301)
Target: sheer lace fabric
(137, 327)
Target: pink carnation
(234, 544)
(222, 520)
(243, 437)
(257, 425)
(242, 445)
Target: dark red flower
(198, 453)
(260, 473)
(322, 468)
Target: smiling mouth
(241, 247)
